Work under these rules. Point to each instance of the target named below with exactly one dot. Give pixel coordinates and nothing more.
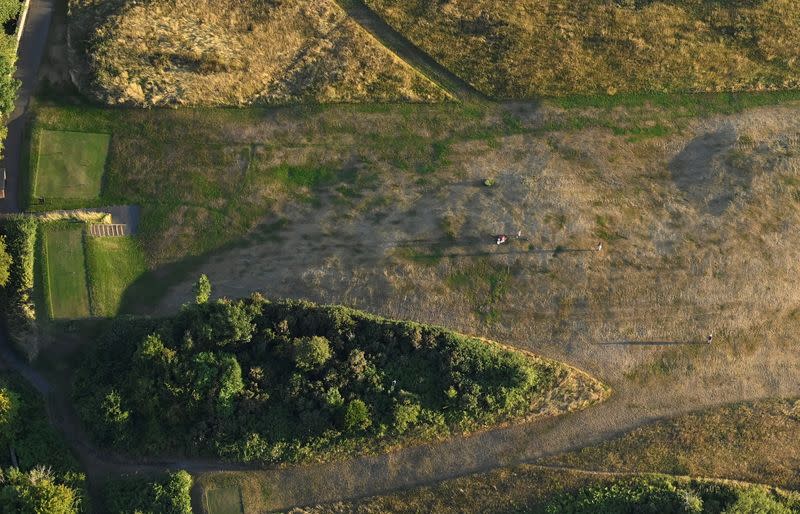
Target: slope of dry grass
(519, 49)
(229, 52)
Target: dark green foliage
(202, 290)
(168, 495)
(16, 297)
(8, 57)
(5, 263)
(9, 9)
(668, 495)
(35, 492)
(285, 381)
(47, 479)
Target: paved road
(31, 50)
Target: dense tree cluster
(139, 495)
(43, 477)
(667, 495)
(274, 381)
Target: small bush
(167, 495)
(356, 417)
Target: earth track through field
(410, 53)
(312, 484)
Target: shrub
(167, 495)
(35, 492)
(16, 298)
(356, 417)
(311, 353)
(5, 263)
(9, 9)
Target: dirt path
(630, 407)
(31, 49)
(409, 52)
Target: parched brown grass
(233, 52)
(755, 442)
(520, 49)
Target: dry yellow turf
(519, 48)
(227, 52)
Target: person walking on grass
(710, 338)
(599, 247)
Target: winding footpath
(630, 406)
(409, 52)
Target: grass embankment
(219, 52)
(114, 263)
(48, 477)
(256, 381)
(508, 50)
(64, 267)
(85, 276)
(68, 166)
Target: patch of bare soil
(227, 52)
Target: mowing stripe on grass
(70, 164)
(66, 285)
(114, 264)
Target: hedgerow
(16, 297)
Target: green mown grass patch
(225, 500)
(65, 272)
(69, 165)
(114, 263)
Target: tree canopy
(256, 380)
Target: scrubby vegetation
(672, 496)
(142, 495)
(37, 473)
(225, 52)
(754, 442)
(253, 380)
(536, 490)
(511, 49)
(16, 294)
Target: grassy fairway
(114, 263)
(70, 164)
(65, 272)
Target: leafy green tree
(8, 84)
(169, 495)
(230, 383)
(5, 263)
(115, 417)
(311, 353)
(755, 500)
(202, 290)
(406, 415)
(35, 492)
(9, 9)
(356, 417)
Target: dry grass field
(229, 52)
(521, 49)
(749, 442)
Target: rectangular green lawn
(114, 264)
(66, 272)
(70, 164)
(226, 500)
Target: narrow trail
(311, 484)
(410, 53)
